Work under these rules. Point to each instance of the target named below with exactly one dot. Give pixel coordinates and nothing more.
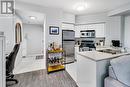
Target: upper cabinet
(68, 21)
(77, 31)
(67, 26)
(68, 18)
(99, 29)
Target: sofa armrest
(110, 82)
(112, 73)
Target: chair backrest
(11, 58)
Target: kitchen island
(92, 67)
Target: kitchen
(104, 44)
(90, 41)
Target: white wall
(94, 18)
(2, 63)
(7, 26)
(113, 24)
(53, 17)
(33, 33)
(127, 32)
(120, 10)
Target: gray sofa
(119, 72)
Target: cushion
(112, 73)
(121, 67)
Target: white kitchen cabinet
(2, 62)
(77, 31)
(91, 73)
(67, 26)
(100, 29)
(72, 70)
(88, 27)
(68, 18)
(86, 75)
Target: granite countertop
(98, 56)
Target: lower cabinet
(72, 70)
(91, 73)
(86, 72)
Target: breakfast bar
(92, 67)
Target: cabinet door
(100, 30)
(86, 72)
(72, 70)
(67, 26)
(68, 18)
(89, 27)
(77, 31)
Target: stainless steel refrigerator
(68, 43)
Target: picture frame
(53, 30)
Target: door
(68, 43)
(68, 46)
(68, 35)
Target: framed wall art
(53, 30)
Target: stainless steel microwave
(87, 33)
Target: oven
(87, 45)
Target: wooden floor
(42, 79)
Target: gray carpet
(42, 79)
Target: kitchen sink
(111, 51)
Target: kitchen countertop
(107, 47)
(98, 56)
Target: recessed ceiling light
(32, 17)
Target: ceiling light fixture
(80, 6)
(32, 17)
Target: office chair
(10, 61)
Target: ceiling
(93, 6)
(25, 16)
